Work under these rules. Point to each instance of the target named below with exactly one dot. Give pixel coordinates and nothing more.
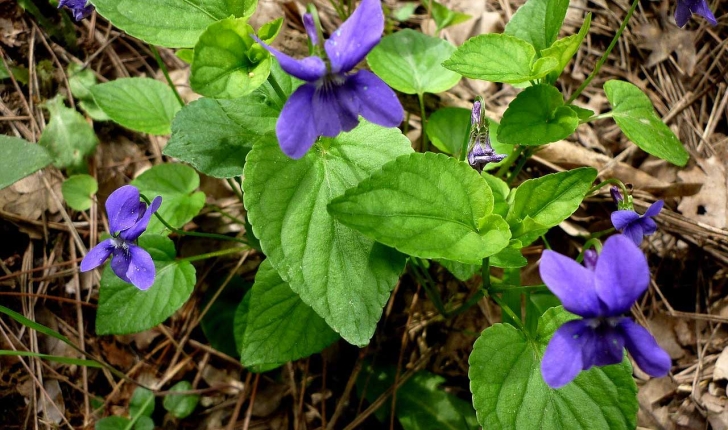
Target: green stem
(219, 210)
(193, 233)
(339, 11)
(504, 288)
(135, 418)
(597, 117)
(236, 189)
(505, 308)
(214, 254)
(603, 60)
(508, 162)
(163, 67)
(611, 181)
(423, 278)
(423, 116)
(277, 88)
(521, 162)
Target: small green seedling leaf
(443, 16)
(80, 80)
(405, 12)
(124, 309)
(112, 423)
(427, 205)
(181, 405)
(538, 22)
(67, 137)
(635, 116)
(564, 49)
(505, 374)
(20, 159)
(537, 116)
(269, 31)
(343, 275)
(171, 23)
(279, 326)
(141, 403)
(140, 104)
(225, 64)
(499, 58)
(176, 183)
(410, 61)
(78, 191)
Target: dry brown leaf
(29, 197)
(52, 405)
(710, 205)
(721, 366)
(664, 43)
(662, 327)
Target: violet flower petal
(78, 8)
(654, 209)
(295, 128)
(571, 282)
(334, 110)
(621, 274)
(682, 13)
(623, 218)
(122, 208)
(635, 232)
(351, 42)
(308, 69)
(601, 347)
(137, 229)
(644, 349)
(562, 360)
(141, 268)
(310, 26)
(701, 8)
(97, 255)
(377, 102)
(649, 226)
(120, 263)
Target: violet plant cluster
(363, 203)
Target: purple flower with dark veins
(686, 8)
(332, 99)
(480, 151)
(601, 292)
(636, 226)
(79, 9)
(128, 218)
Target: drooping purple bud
(616, 195)
(79, 8)
(475, 115)
(310, 25)
(590, 259)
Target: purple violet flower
(686, 8)
(79, 9)
(601, 293)
(128, 218)
(480, 151)
(635, 226)
(332, 99)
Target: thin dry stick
(249, 412)
(239, 404)
(22, 96)
(347, 391)
(304, 377)
(294, 393)
(81, 336)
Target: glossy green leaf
(344, 276)
(20, 158)
(141, 403)
(421, 403)
(181, 405)
(139, 104)
(280, 326)
(427, 205)
(499, 58)
(185, 54)
(538, 22)
(405, 12)
(123, 308)
(78, 191)
(144, 423)
(214, 136)
(635, 116)
(67, 137)
(410, 61)
(537, 116)
(501, 192)
(443, 16)
(240, 322)
(269, 31)
(80, 80)
(583, 113)
(176, 183)
(225, 65)
(564, 49)
(509, 257)
(170, 23)
(509, 391)
(544, 202)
